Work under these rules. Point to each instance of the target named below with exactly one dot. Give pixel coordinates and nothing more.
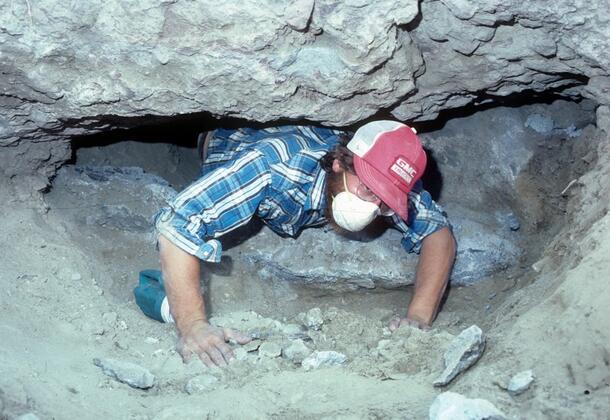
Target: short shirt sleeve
(425, 218)
(216, 203)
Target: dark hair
(341, 153)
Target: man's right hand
(209, 343)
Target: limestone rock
(252, 346)
(323, 359)
(259, 61)
(453, 406)
(252, 59)
(313, 319)
(270, 349)
(200, 383)
(297, 351)
(521, 382)
(463, 352)
(129, 373)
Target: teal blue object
(150, 293)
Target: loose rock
(520, 382)
(129, 373)
(200, 383)
(251, 346)
(313, 319)
(462, 353)
(323, 359)
(270, 349)
(297, 351)
(453, 406)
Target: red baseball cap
(388, 159)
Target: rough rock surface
(463, 352)
(453, 406)
(79, 68)
(129, 373)
(200, 383)
(326, 358)
(521, 382)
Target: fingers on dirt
(394, 324)
(226, 351)
(236, 336)
(205, 359)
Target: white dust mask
(351, 212)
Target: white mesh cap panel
(365, 136)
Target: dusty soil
(67, 299)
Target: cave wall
(77, 68)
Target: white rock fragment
(270, 349)
(200, 383)
(453, 406)
(463, 352)
(129, 373)
(320, 359)
(313, 319)
(297, 351)
(521, 382)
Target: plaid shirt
(273, 173)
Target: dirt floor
(67, 299)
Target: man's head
(376, 168)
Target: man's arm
(197, 336)
(435, 263)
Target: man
(294, 177)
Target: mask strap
(345, 182)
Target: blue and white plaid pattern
(273, 173)
(425, 217)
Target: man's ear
(337, 166)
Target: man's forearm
(181, 280)
(435, 263)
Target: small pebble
(513, 222)
(313, 319)
(200, 383)
(520, 383)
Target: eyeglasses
(364, 193)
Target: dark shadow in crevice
(432, 177)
